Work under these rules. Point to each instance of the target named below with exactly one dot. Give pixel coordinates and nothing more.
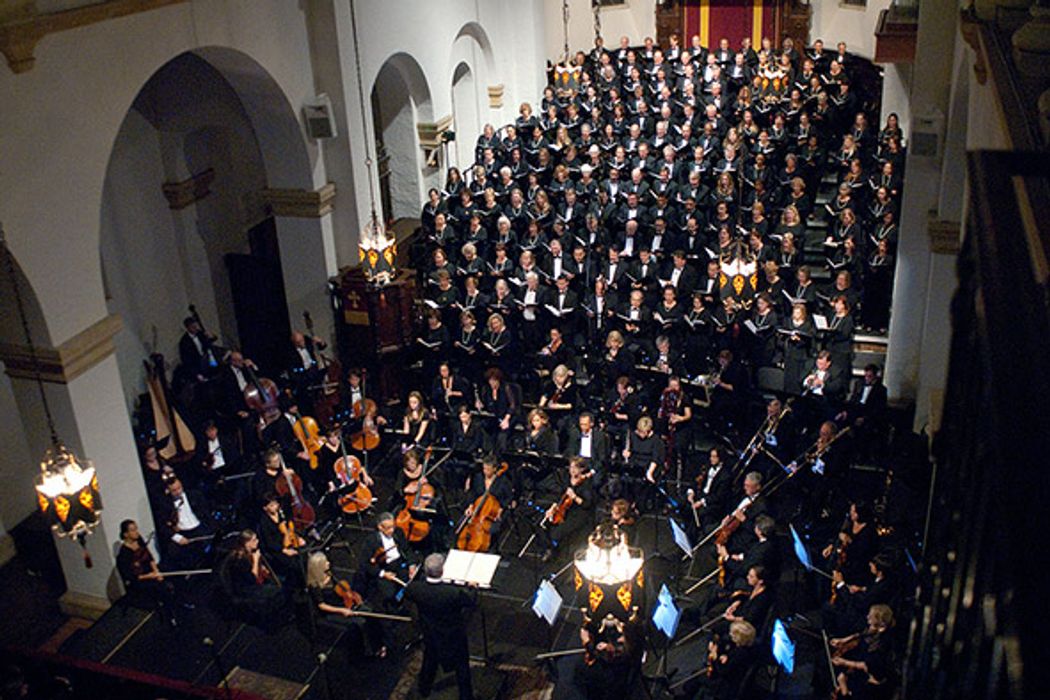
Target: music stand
(473, 569)
(803, 554)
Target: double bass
(262, 396)
(475, 534)
(349, 471)
(327, 398)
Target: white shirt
(675, 274)
(215, 450)
(304, 357)
(712, 472)
(556, 268)
(529, 314)
(611, 275)
(585, 444)
(390, 547)
(185, 518)
(864, 393)
(239, 375)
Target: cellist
(489, 494)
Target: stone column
(931, 80)
(86, 399)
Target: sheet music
(470, 567)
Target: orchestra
(595, 335)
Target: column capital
(69, 360)
(302, 204)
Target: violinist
(729, 661)
(622, 409)
(279, 541)
(762, 552)
(140, 574)
(337, 602)
(387, 563)
(754, 607)
(574, 507)
(218, 454)
(745, 513)
(820, 470)
(185, 528)
(252, 584)
(559, 398)
(854, 546)
(624, 516)
(864, 661)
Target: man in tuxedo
(825, 387)
(588, 441)
(715, 488)
(385, 560)
(197, 351)
(866, 409)
(218, 453)
(184, 519)
(442, 613)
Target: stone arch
(210, 109)
(465, 113)
(401, 100)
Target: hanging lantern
(377, 253)
(67, 490)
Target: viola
(291, 486)
(476, 533)
(309, 436)
(351, 598)
(562, 509)
(349, 471)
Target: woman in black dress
(338, 603)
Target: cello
(475, 534)
(349, 470)
(291, 486)
(419, 495)
(309, 436)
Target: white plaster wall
(635, 19)
(834, 22)
(52, 168)
(428, 32)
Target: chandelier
(376, 251)
(67, 486)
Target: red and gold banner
(732, 19)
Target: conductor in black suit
(443, 610)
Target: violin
(349, 471)
(351, 598)
(309, 436)
(291, 539)
(476, 532)
(566, 502)
(289, 485)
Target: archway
(400, 101)
(465, 114)
(213, 123)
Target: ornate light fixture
(67, 487)
(607, 560)
(376, 251)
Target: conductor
(442, 611)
